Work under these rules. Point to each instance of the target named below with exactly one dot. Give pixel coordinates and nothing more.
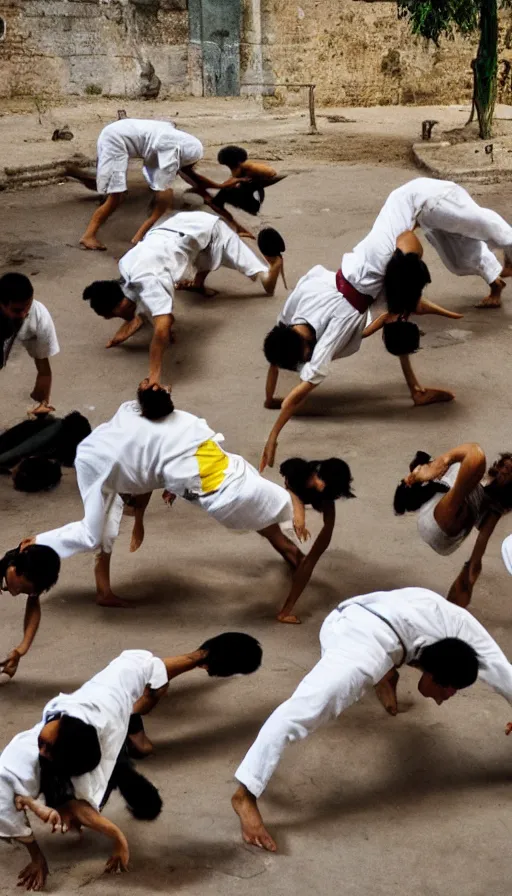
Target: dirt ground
(369, 803)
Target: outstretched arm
(84, 814)
(377, 324)
(30, 627)
(42, 387)
(305, 569)
(462, 589)
(160, 341)
(290, 405)
(270, 389)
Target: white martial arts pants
(358, 648)
(227, 250)
(460, 231)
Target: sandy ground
(368, 804)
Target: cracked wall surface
(356, 51)
(92, 46)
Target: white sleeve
(495, 669)
(99, 527)
(159, 676)
(153, 297)
(316, 369)
(12, 822)
(44, 343)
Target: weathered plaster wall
(75, 46)
(356, 51)
(359, 53)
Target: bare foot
(290, 618)
(90, 242)
(431, 396)
(140, 744)
(137, 536)
(251, 822)
(191, 286)
(112, 600)
(493, 300)
(386, 692)
(489, 302)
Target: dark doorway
(215, 24)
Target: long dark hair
(333, 471)
(409, 498)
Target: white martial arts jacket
(132, 455)
(361, 640)
(365, 266)
(106, 702)
(151, 269)
(338, 326)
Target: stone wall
(62, 47)
(356, 51)
(359, 53)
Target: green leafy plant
(434, 19)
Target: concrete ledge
(17, 178)
(466, 160)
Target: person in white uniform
(148, 445)
(153, 269)
(76, 755)
(363, 640)
(324, 319)
(459, 229)
(453, 495)
(165, 151)
(24, 320)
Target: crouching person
(77, 754)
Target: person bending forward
(323, 319)
(364, 639)
(153, 269)
(165, 151)
(77, 755)
(147, 446)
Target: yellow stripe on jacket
(212, 464)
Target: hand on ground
(118, 861)
(273, 404)
(9, 666)
(33, 876)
